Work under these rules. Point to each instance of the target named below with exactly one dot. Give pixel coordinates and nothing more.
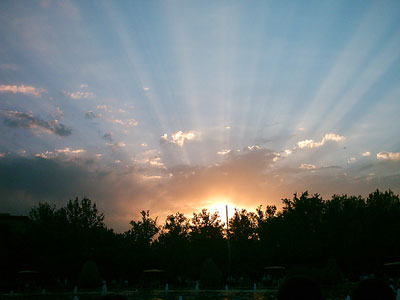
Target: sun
(220, 204)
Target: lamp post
(228, 242)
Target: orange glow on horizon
(219, 204)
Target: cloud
(156, 162)
(149, 177)
(164, 138)
(11, 67)
(179, 137)
(388, 155)
(116, 146)
(307, 166)
(351, 160)
(79, 95)
(59, 113)
(288, 152)
(151, 158)
(104, 107)
(91, 115)
(246, 178)
(22, 89)
(70, 151)
(120, 192)
(65, 153)
(253, 148)
(20, 175)
(224, 152)
(27, 120)
(126, 123)
(108, 137)
(367, 153)
(242, 176)
(328, 137)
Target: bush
(89, 276)
(211, 275)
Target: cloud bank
(247, 179)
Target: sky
(174, 106)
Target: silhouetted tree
(243, 239)
(83, 214)
(173, 245)
(138, 252)
(206, 240)
(142, 232)
(352, 234)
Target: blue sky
(179, 105)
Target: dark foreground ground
(330, 294)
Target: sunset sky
(179, 105)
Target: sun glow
(219, 205)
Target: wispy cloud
(11, 67)
(79, 95)
(367, 153)
(307, 166)
(155, 162)
(104, 107)
(253, 148)
(108, 137)
(61, 153)
(18, 119)
(116, 146)
(351, 160)
(388, 155)
(22, 89)
(224, 152)
(151, 158)
(59, 113)
(126, 123)
(328, 137)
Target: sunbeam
(181, 105)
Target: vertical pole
(228, 242)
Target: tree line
(345, 235)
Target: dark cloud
(40, 177)
(114, 146)
(91, 115)
(121, 194)
(27, 120)
(108, 137)
(61, 130)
